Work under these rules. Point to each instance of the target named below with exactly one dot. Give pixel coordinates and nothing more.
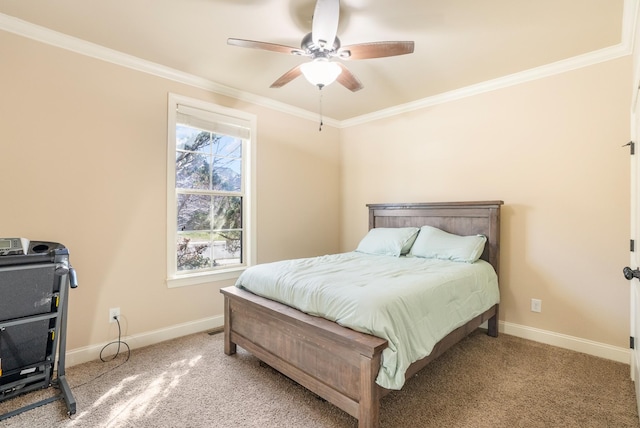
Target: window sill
(205, 277)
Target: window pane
(193, 253)
(227, 146)
(194, 212)
(227, 247)
(227, 174)
(193, 139)
(193, 170)
(227, 212)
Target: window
(209, 192)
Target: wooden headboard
(461, 218)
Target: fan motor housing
(310, 47)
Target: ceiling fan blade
(375, 50)
(348, 80)
(325, 23)
(273, 47)
(287, 77)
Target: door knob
(631, 273)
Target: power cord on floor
(119, 342)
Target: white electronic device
(13, 246)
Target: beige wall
(83, 155)
(551, 149)
(84, 144)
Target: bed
(338, 363)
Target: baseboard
(92, 352)
(602, 350)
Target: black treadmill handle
(73, 277)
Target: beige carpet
(481, 382)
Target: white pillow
(390, 241)
(434, 243)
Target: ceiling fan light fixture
(321, 72)
(323, 44)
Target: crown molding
(45, 35)
(83, 47)
(624, 48)
(559, 67)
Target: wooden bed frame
(337, 363)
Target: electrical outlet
(536, 305)
(113, 314)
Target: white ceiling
(458, 43)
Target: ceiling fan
(322, 45)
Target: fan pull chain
(320, 108)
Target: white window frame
(175, 279)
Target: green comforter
(409, 301)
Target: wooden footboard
(336, 363)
